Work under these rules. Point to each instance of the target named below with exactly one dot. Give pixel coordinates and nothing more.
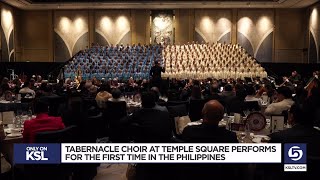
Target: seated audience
(209, 131)
(156, 92)
(103, 95)
(251, 94)
(282, 103)
(150, 124)
(214, 93)
(42, 122)
(116, 97)
(26, 89)
(196, 93)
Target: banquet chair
(151, 126)
(252, 106)
(236, 105)
(176, 103)
(162, 103)
(52, 171)
(54, 104)
(96, 127)
(26, 98)
(174, 112)
(112, 114)
(66, 135)
(173, 96)
(285, 115)
(195, 109)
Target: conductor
(155, 74)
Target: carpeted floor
(111, 171)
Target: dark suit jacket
(209, 134)
(299, 134)
(149, 125)
(214, 96)
(205, 133)
(232, 104)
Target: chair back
(90, 102)
(66, 135)
(151, 126)
(24, 95)
(173, 95)
(113, 113)
(236, 105)
(54, 104)
(195, 109)
(285, 115)
(252, 106)
(54, 171)
(96, 126)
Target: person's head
(297, 115)
(104, 87)
(228, 88)
(148, 99)
(5, 80)
(43, 86)
(26, 84)
(32, 81)
(39, 78)
(156, 92)
(241, 94)
(116, 93)
(250, 90)
(212, 112)
(196, 82)
(196, 92)
(40, 106)
(156, 63)
(294, 73)
(214, 88)
(284, 93)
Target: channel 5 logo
(37, 153)
(295, 153)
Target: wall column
(234, 22)
(91, 27)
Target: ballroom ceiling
(64, 1)
(156, 4)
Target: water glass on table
(241, 136)
(17, 121)
(246, 113)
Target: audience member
(42, 122)
(282, 103)
(209, 131)
(103, 95)
(26, 89)
(156, 92)
(151, 124)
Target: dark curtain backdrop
(31, 68)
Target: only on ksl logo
(37, 153)
(295, 157)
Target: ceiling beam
(26, 5)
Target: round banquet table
(13, 106)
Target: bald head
(212, 112)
